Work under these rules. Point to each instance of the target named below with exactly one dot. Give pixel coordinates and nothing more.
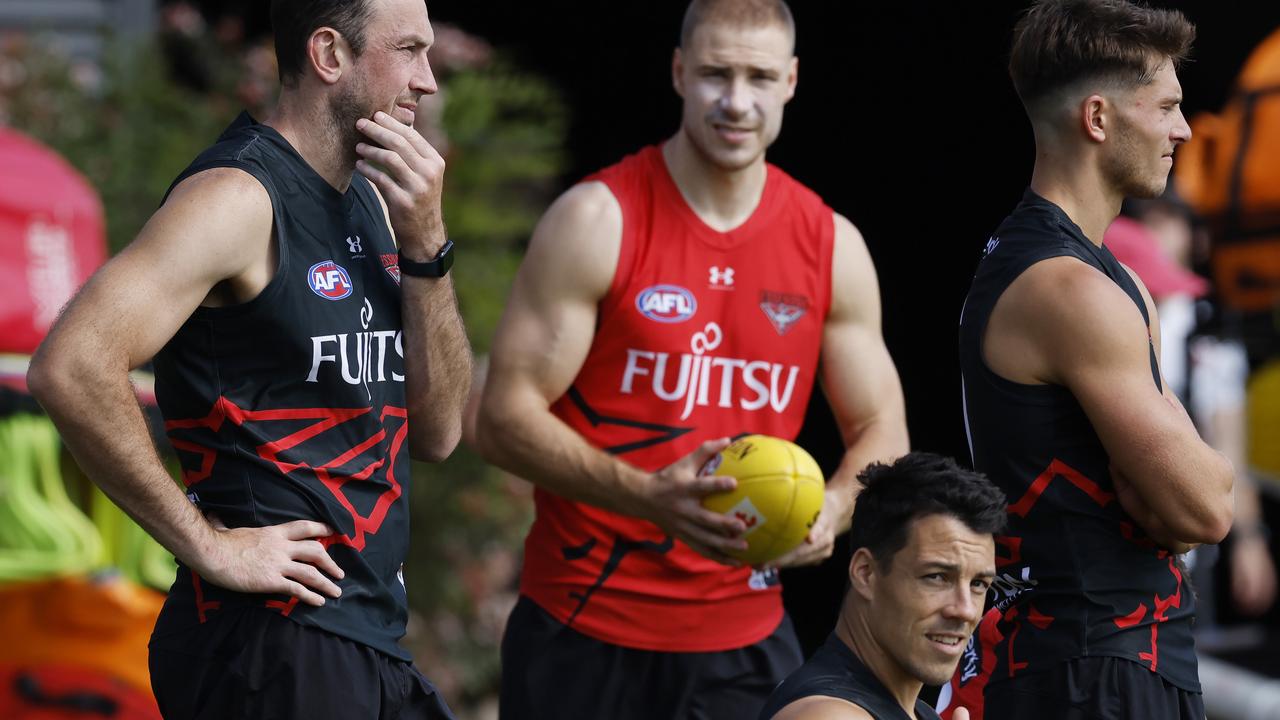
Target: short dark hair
(915, 486)
(737, 13)
(294, 21)
(1058, 42)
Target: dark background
(904, 121)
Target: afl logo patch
(329, 280)
(666, 303)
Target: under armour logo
(354, 245)
(721, 277)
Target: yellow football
(778, 497)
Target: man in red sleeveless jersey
(686, 294)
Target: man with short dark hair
(293, 291)
(1065, 405)
(683, 295)
(923, 560)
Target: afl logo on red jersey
(329, 280)
(666, 303)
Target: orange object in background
(92, 624)
(1230, 173)
(62, 692)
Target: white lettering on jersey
(360, 357)
(702, 379)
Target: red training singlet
(702, 335)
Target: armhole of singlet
(275, 285)
(826, 258)
(626, 257)
(1021, 393)
(1145, 312)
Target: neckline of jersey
(306, 174)
(708, 235)
(1035, 199)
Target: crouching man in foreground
(923, 559)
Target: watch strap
(435, 268)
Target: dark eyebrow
(954, 569)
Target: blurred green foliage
(125, 125)
(131, 128)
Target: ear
(1095, 117)
(677, 72)
(863, 573)
(793, 76)
(329, 54)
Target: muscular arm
(211, 239)
(1065, 323)
(861, 384)
(437, 354)
(544, 337)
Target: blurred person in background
(293, 290)
(1155, 238)
(689, 293)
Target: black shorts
(253, 663)
(1095, 688)
(550, 672)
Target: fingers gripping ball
(778, 497)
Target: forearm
(102, 425)
(1194, 485)
(536, 445)
(437, 366)
(881, 440)
(1190, 497)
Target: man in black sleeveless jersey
(1066, 409)
(293, 291)
(923, 561)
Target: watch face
(436, 268)
(445, 258)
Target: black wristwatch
(434, 269)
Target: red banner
(52, 238)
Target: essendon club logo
(329, 280)
(391, 263)
(783, 309)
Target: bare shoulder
(1066, 298)
(1147, 299)
(855, 289)
(221, 186)
(1060, 317)
(577, 242)
(587, 212)
(822, 707)
(227, 206)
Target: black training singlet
(1076, 576)
(292, 405)
(835, 671)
